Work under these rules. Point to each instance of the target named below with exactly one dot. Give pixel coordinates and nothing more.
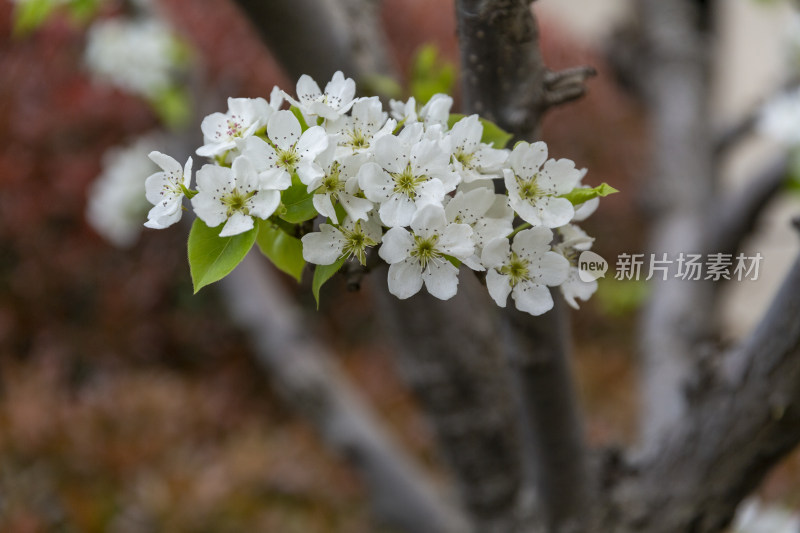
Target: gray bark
(505, 80)
(676, 317)
(734, 433)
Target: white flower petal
(264, 203)
(323, 247)
(532, 298)
(441, 279)
(532, 242)
(495, 253)
(236, 224)
(398, 210)
(396, 247)
(552, 269)
(324, 206)
(283, 129)
(554, 212)
(456, 240)
(377, 185)
(498, 286)
(429, 220)
(405, 278)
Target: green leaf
(492, 133)
(323, 273)
(430, 74)
(31, 14)
(380, 85)
(284, 250)
(172, 105)
(83, 10)
(298, 203)
(580, 195)
(453, 261)
(212, 257)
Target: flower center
(465, 158)
(516, 269)
(358, 140)
(235, 128)
(406, 182)
(237, 201)
(356, 243)
(288, 159)
(425, 251)
(529, 189)
(332, 182)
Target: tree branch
(319, 37)
(737, 430)
(503, 76)
(539, 354)
(450, 355)
(505, 80)
(676, 317)
(309, 381)
(737, 214)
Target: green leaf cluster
(212, 257)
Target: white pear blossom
(134, 55)
(574, 241)
(525, 269)
(222, 131)
(116, 204)
(408, 173)
(351, 239)
(419, 257)
(436, 111)
(232, 195)
(292, 150)
(367, 123)
(471, 207)
(332, 104)
(405, 112)
(165, 190)
(535, 184)
(339, 184)
(472, 159)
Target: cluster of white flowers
(116, 205)
(135, 55)
(417, 185)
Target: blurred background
(128, 404)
